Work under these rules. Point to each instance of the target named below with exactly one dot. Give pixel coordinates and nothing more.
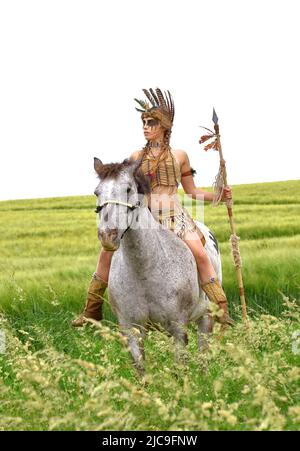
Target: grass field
(55, 377)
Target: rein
(119, 202)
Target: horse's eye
(128, 190)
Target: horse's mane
(113, 170)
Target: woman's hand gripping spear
(219, 186)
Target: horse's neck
(142, 238)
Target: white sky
(71, 68)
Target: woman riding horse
(166, 168)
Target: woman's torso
(167, 177)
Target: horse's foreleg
(135, 340)
(179, 333)
(205, 327)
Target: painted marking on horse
(214, 240)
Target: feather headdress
(161, 106)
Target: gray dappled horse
(153, 275)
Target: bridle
(119, 202)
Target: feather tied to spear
(211, 135)
(220, 180)
(219, 185)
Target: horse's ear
(97, 165)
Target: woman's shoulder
(179, 152)
(180, 155)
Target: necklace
(153, 144)
(155, 159)
(151, 147)
(151, 154)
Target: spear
(219, 184)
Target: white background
(70, 71)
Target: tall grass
(54, 377)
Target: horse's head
(118, 195)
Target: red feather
(213, 145)
(205, 138)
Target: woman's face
(152, 129)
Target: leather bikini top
(163, 170)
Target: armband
(191, 172)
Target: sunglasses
(150, 122)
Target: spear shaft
(233, 238)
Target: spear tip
(215, 117)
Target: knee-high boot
(94, 301)
(215, 294)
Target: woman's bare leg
(208, 278)
(205, 268)
(103, 265)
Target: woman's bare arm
(188, 183)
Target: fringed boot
(94, 301)
(215, 294)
